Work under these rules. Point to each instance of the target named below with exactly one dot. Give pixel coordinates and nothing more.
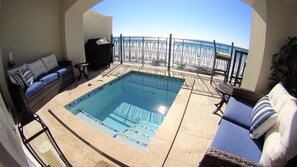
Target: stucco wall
(273, 22)
(280, 25)
(30, 29)
(74, 35)
(257, 46)
(96, 25)
(11, 153)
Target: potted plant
(284, 67)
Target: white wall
(74, 34)
(30, 29)
(273, 22)
(11, 153)
(281, 23)
(257, 45)
(96, 25)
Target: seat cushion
(47, 78)
(223, 55)
(236, 140)
(32, 89)
(62, 70)
(238, 113)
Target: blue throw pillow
(263, 118)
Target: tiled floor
(195, 133)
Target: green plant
(284, 66)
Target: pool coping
(159, 146)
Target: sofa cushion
(281, 140)
(263, 118)
(279, 96)
(62, 70)
(37, 68)
(50, 62)
(235, 139)
(47, 78)
(32, 89)
(238, 113)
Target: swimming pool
(130, 108)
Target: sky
(226, 21)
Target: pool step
(139, 135)
(96, 123)
(149, 125)
(132, 141)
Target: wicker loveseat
(233, 144)
(32, 85)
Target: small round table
(226, 91)
(81, 69)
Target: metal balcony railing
(185, 54)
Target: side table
(226, 91)
(81, 69)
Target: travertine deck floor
(193, 138)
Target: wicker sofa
(33, 85)
(233, 145)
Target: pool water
(130, 108)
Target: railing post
(121, 48)
(166, 51)
(158, 53)
(169, 51)
(129, 49)
(111, 41)
(142, 51)
(182, 56)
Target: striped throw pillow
(16, 79)
(263, 118)
(27, 76)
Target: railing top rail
(185, 41)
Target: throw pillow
(27, 76)
(37, 68)
(263, 118)
(14, 70)
(16, 79)
(50, 62)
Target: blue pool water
(130, 108)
